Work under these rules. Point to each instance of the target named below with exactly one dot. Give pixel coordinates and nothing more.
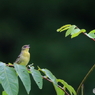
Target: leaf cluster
(74, 31)
(9, 79)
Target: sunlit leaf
(69, 87)
(77, 30)
(91, 34)
(75, 33)
(58, 90)
(24, 76)
(92, 31)
(4, 93)
(70, 30)
(82, 30)
(8, 79)
(88, 35)
(63, 28)
(37, 77)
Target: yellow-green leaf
(69, 87)
(70, 30)
(77, 32)
(4, 93)
(63, 28)
(58, 90)
(92, 31)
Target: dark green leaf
(8, 79)
(24, 76)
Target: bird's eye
(25, 46)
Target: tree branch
(58, 86)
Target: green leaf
(88, 35)
(70, 30)
(37, 77)
(58, 90)
(82, 30)
(92, 31)
(63, 28)
(49, 75)
(91, 34)
(69, 87)
(24, 76)
(53, 79)
(8, 79)
(4, 93)
(77, 32)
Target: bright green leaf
(91, 34)
(8, 79)
(37, 77)
(70, 30)
(77, 30)
(69, 87)
(58, 90)
(24, 76)
(82, 30)
(63, 28)
(92, 31)
(49, 75)
(75, 34)
(4, 93)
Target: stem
(82, 88)
(92, 68)
(87, 36)
(58, 86)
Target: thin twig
(58, 86)
(82, 89)
(10, 65)
(92, 68)
(87, 36)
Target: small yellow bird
(24, 56)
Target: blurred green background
(35, 22)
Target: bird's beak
(28, 46)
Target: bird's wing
(18, 60)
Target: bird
(24, 57)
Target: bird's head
(25, 47)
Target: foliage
(74, 31)
(9, 79)
(9, 73)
